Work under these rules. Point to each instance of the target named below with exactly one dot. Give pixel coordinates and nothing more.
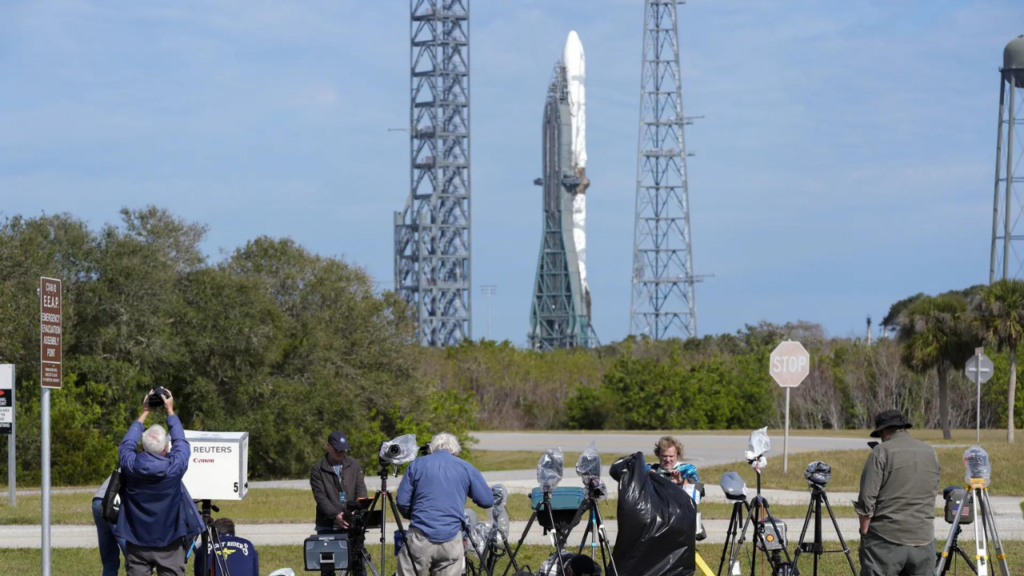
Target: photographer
(896, 504)
(669, 451)
(157, 517)
(238, 555)
(336, 480)
(433, 496)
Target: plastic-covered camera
(734, 487)
(818, 474)
(401, 450)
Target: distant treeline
(289, 345)
(714, 382)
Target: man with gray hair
(157, 517)
(432, 496)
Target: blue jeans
(110, 545)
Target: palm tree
(936, 332)
(999, 313)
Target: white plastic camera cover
(475, 534)
(408, 449)
(977, 465)
(499, 515)
(757, 446)
(549, 469)
(589, 464)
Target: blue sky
(845, 160)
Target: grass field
(74, 562)
(1007, 467)
(963, 436)
(1007, 470)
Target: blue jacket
(156, 509)
(433, 494)
(238, 553)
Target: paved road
(1010, 528)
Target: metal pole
(1009, 183)
(977, 382)
(45, 442)
(785, 440)
(12, 460)
(995, 202)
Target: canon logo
(203, 460)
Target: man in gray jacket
(896, 504)
(336, 480)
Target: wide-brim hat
(889, 419)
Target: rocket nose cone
(573, 51)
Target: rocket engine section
(560, 312)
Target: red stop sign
(789, 364)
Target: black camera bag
(111, 502)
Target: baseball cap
(338, 441)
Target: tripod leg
(803, 532)
(533, 518)
(738, 544)
(997, 542)
(980, 543)
(605, 544)
(839, 533)
(730, 533)
(951, 538)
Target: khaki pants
(421, 557)
(879, 557)
(168, 561)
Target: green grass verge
(77, 561)
(961, 436)
(1007, 470)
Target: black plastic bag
(657, 523)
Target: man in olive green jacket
(896, 504)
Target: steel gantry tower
(432, 232)
(1007, 257)
(663, 303)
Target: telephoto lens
(394, 450)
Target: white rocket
(576, 71)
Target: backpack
(112, 497)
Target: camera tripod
(984, 528)
(740, 509)
(819, 497)
(598, 536)
(558, 536)
(944, 563)
(213, 563)
(759, 515)
(384, 498)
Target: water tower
(1007, 259)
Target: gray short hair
(155, 440)
(445, 441)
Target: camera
(818, 474)
(156, 399)
(398, 451)
(954, 495)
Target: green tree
(999, 313)
(936, 332)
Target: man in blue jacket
(158, 517)
(433, 496)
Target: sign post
(789, 364)
(7, 427)
(50, 376)
(979, 370)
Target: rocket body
(576, 72)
